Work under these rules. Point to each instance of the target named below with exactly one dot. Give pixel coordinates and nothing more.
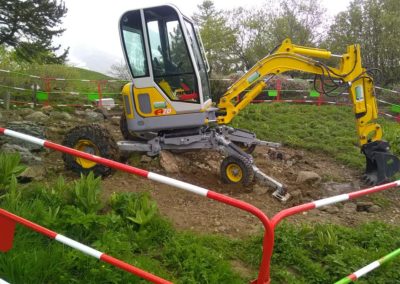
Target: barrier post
(278, 89)
(100, 105)
(47, 83)
(7, 97)
(7, 229)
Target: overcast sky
(92, 26)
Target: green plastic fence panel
(93, 96)
(42, 96)
(272, 93)
(395, 108)
(314, 94)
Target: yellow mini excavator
(168, 103)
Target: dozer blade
(381, 163)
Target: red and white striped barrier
(3, 282)
(9, 220)
(269, 224)
(264, 272)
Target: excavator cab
(170, 87)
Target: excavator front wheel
(95, 140)
(237, 170)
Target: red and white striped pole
(7, 232)
(330, 200)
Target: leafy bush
(86, 193)
(135, 207)
(9, 166)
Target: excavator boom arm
(290, 57)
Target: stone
(363, 206)
(26, 127)
(26, 156)
(168, 162)
(374, 209)
(37, 116)
(334, 188)
(260, 190)
(145, 159)
(349, 207)
(296, 194)
(32, 173)
(308, 177)
(46, 109)
(25, 111)
(115, 120)
(330, 209)
(92, 116)
(60, 115)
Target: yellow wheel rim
(86, 146)
(234, 173)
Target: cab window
(172, 68)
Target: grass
(61, 89)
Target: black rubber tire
(244, 164)
(98, 136)
(128, 135)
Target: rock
(296, 194)
(92, 116)
(330, 209)
(57, 130)
(275, 154)
(46, 109)
(308, 177)
(80, 112)
(260, 190)
(364, 206)
(349, 207)
(168, 162)
(334, 188)
(145, 159)
(26, 127)
(37, 116)
(31, 173)
(25, 111)
(26, 156)
(374, 209)
(60, 115)
(115, 120)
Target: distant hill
(60, 90)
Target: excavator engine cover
(381, 164)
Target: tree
(120, 71)
(29, 27)
(218, 38)
(375, 25)
(259, 30)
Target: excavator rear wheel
(93, 139)
(237, 170)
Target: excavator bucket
(381, 163)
